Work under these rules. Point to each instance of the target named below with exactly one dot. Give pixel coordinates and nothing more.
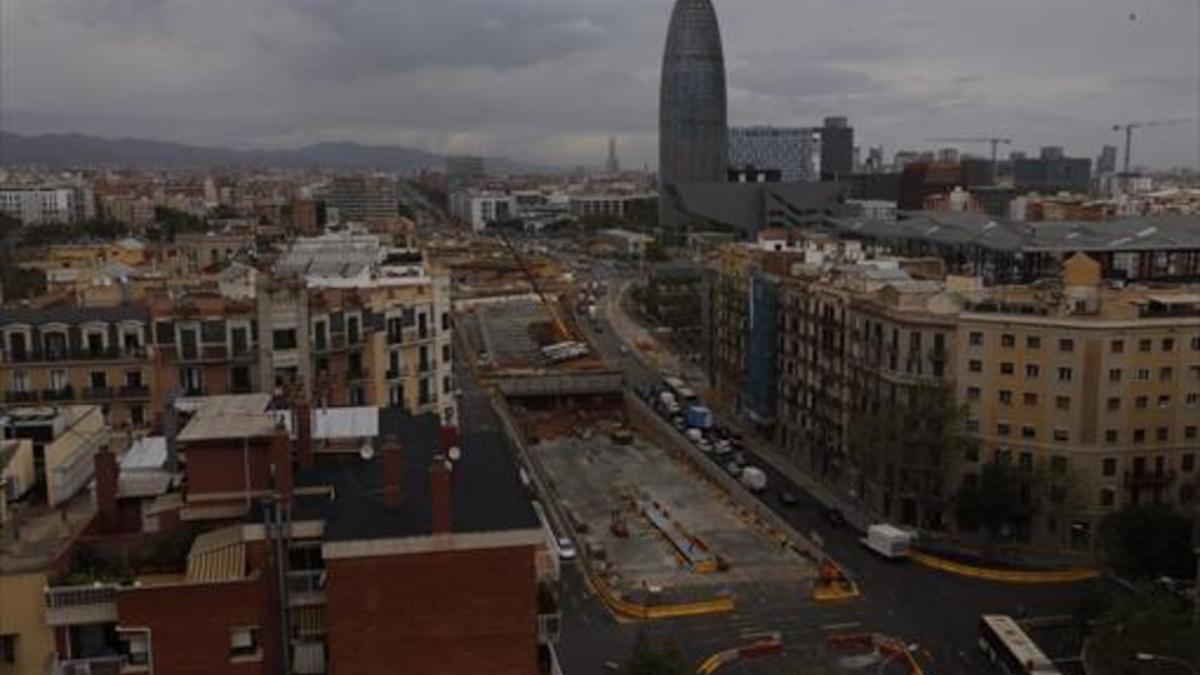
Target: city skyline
(447, 78)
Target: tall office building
(1107, 162)
(612, 165)
(364, 198)
(692, 107)
(837, 149)
(789, 151)
(463, 171)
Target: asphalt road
(937, 611)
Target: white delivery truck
(888, 541)
(754, 479)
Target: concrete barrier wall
(650, 423)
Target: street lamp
(1147, 657)
(908, 649)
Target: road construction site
(655, 530)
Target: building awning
(216, 556)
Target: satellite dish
(455, 453)
(367, 451)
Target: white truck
(754, 479)
(888, 541)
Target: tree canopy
(1147, 542)
(1145, 621)
(648, 659)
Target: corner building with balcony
(68, 355)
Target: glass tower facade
(692, 133)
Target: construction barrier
(833, 585)
(1069, 576)
(632, 610)
(770, 644)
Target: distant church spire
(612, 165)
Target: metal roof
(230, 416)
(145, 453)
(75, 315)
(486, 494)
(216, 556)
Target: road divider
(766, 645)
(1007, 576)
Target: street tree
(649, 659)
(1146, 542)
(1146, 621)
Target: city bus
(1010, 649)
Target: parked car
(723, 448)
(704, 446)
(733, 469)
(565, 549)
(740, 459)
(787, 498)
(834, 517)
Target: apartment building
(1089, 390)
(46, 204)
(46, 465)
(356, 322)
(63, 355)
(1092, 392)
(855, 341)
(358, 541)
(359, 324)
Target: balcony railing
(21, 396)
(101, 665)
(134, 391)
(1134, 479)
(97, 393)
(66, 393)
(306, 587)
(83, 354)
(549, 627)
(76, 605)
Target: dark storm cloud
(550, 80)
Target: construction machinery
(995, 141)
(1129, 127)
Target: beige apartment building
(1091, 392)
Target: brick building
(329, 540)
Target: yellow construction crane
(995, 141)
(560, 326)
(1129, 127)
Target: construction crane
(560, 326)
(1128, 129)
(995, 141)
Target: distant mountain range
(76, 150)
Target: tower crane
(1129, 127)
(995, 141)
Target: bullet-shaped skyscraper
(692, 133)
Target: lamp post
(1148, 657)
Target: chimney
(393, 471)
(448, 438)
(304, 441)
(281, 463)
(106, 488)
(440, 489)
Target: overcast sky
(550, 80)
